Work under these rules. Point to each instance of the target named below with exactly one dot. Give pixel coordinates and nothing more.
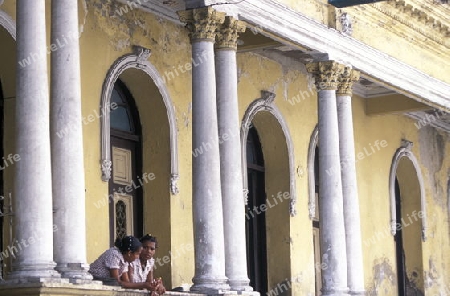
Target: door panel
(124, 211)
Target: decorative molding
(417, 19)
(142, 53)
(174, 184)
(436, 118)
(106, 167)
(313, 142)
(265, 103)
(158, 8)
(325, 74)
(405, 151)
(277, 19)
(227, 34)
(268, 97)
(346, 24)
(202, 23)
(8, 23)
(137, 60)
(346, 80)
(245, 192)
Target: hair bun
(129, 243)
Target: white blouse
(140, 272)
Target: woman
(113, 263)
(141, 270)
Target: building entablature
(409, 20)
(286, 26)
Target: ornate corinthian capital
(326, 74)
(346, 80)
(202, 22)
(228, 33)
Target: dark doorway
(256, 222)
(316, 227)
(400, 253)
(2, 195)
(125, 185)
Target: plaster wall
(416, 37)
(106, 37)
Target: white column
(355, 270)
(207, 198)
(67, 148)
(33, 217)
(230, 156)
(333, 250)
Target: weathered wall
(411, 31)
(106, 37)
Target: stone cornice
(422, 20)
(415, 19)
(433, 8)
(295, 28)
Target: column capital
(202, 22)
(326, 74)
(228, 32)
(346, 80)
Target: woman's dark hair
(128, 243)
(149, 238)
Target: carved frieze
(417, 18)
(202, 22)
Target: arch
(265, 103)
(405, 151)
(313, 142)
(137, 60)
(8, 23)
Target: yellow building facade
(161, 151)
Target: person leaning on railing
(141, 269)
(112, 266)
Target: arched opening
(126, 215)
(277, 206)
(408, 237)
(153, 177)
(256, 220)
(313, 206)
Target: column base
(360, 292)
(336, 292)
(210, 286)
(240, 285)
(77, 273)
(36, 273)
